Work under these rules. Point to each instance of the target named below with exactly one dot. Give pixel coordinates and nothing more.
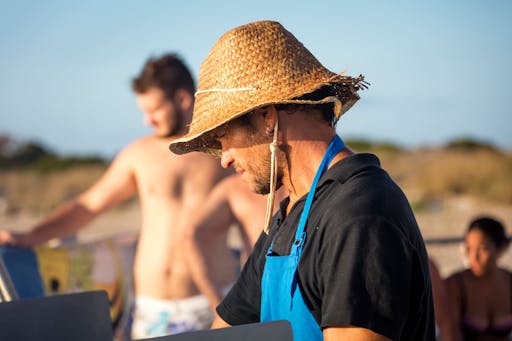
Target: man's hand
(14, 238)
(219, 323)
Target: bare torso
(169, 186)
(486, 302)
(231, 202)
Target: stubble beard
(261, 184)
(176, 128)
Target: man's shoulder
(236, 190)
(361, 176)
(141, 149)
(354, 169)
(151, 152)
(234, 182)
(150, 146)
(150, 141)
(140, 144)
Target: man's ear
(184, 99)
(270, 117)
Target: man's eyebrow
(153, 107)
(218, 134)
(215, 134)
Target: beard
(261, 181)
(176, 125)
(261, 186)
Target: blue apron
(280, 299)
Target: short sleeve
(366, 271)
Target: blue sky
(438, 69)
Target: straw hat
(252, 66)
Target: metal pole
(7, 291)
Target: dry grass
(428, 175)
(37, 193)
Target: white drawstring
(273, 179)
(223, 90)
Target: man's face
(246, 149)
(164, 115)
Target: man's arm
(330, 334)
(219, 323)
(352, 333)
(115, 186)
(213, 219)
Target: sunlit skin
(250, 160)
(163, 114)
(230, 202)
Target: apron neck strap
(300, 235)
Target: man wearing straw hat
(343, 258)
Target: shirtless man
(231, 202)
(170, 188)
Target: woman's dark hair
(492, 228)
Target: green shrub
(33, 156)
(468, 143)
(364, 145)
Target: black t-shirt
(364, 261)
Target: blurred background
(437, 112)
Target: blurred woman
(481, 296)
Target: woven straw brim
(249, 67)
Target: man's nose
(147, 119)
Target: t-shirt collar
(347, 167)
(341, 171)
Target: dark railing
(447, 240)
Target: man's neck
(304, 158)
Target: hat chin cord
(273, 180)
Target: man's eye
(218, 134)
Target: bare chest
(160, 177)
(492, 303)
